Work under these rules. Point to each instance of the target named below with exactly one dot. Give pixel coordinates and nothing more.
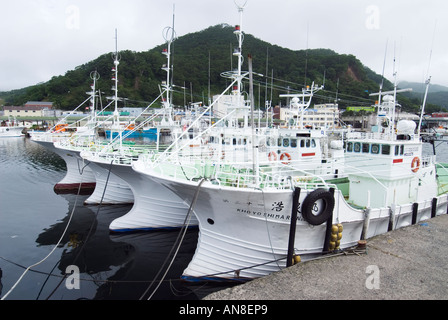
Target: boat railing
(381, 136)
(126, 155)
(46, 137)
(428, 161)
(239, 174)
(75, 142)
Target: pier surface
(408, 263)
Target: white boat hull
(245, 235)
(78, 177)
(7, 132)
(155, 207)
(110, 189)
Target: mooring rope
(51, 252)
(180, 237)
(90, 229)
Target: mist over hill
(437, 94)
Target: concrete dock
(404, 264)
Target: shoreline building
(319, 116)
(30, 109)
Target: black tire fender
(308, 206)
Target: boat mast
(382, 78)
(298, 105)
(238, 53)
(169, 36)
(395, 95)
(254, 136)
(116, 114)
(427, 88)
(94, 75)
(423, 106)
(387, 109)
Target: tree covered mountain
(198, 59)
(437, 94)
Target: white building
(30, 109)
(319, 116)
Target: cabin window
(279, 142)
(357, 147)
(286, 142)
(399, 150)
(293, 143)
(313, 143)
(385, 149)
(350, 147)
(234, 141)
(365, 148)
(302, 143)
(375, 149)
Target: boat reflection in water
(116, 266)
(111, 266)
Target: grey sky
(45, 38)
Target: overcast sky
(45, 38)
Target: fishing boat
(109, 189)
(78, 177)
(201, 149)
(245, 216)
(154, 207)
(258, 217)
(11, 128)
(131, 131)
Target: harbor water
(46, 238)
(33, 223)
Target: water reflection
(86, 241)
(112, 266)
(153, 254)
(116, 266)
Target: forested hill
(198, 60)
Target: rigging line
(90, 230)
(82, 279)
(329, 254)
(345, 252)
(180, 236)
(343, 94)
(51, 252)
(48, 277)
(81, 169)
(299, 91)
(183, 293)
(432, 45)
(245, 268)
